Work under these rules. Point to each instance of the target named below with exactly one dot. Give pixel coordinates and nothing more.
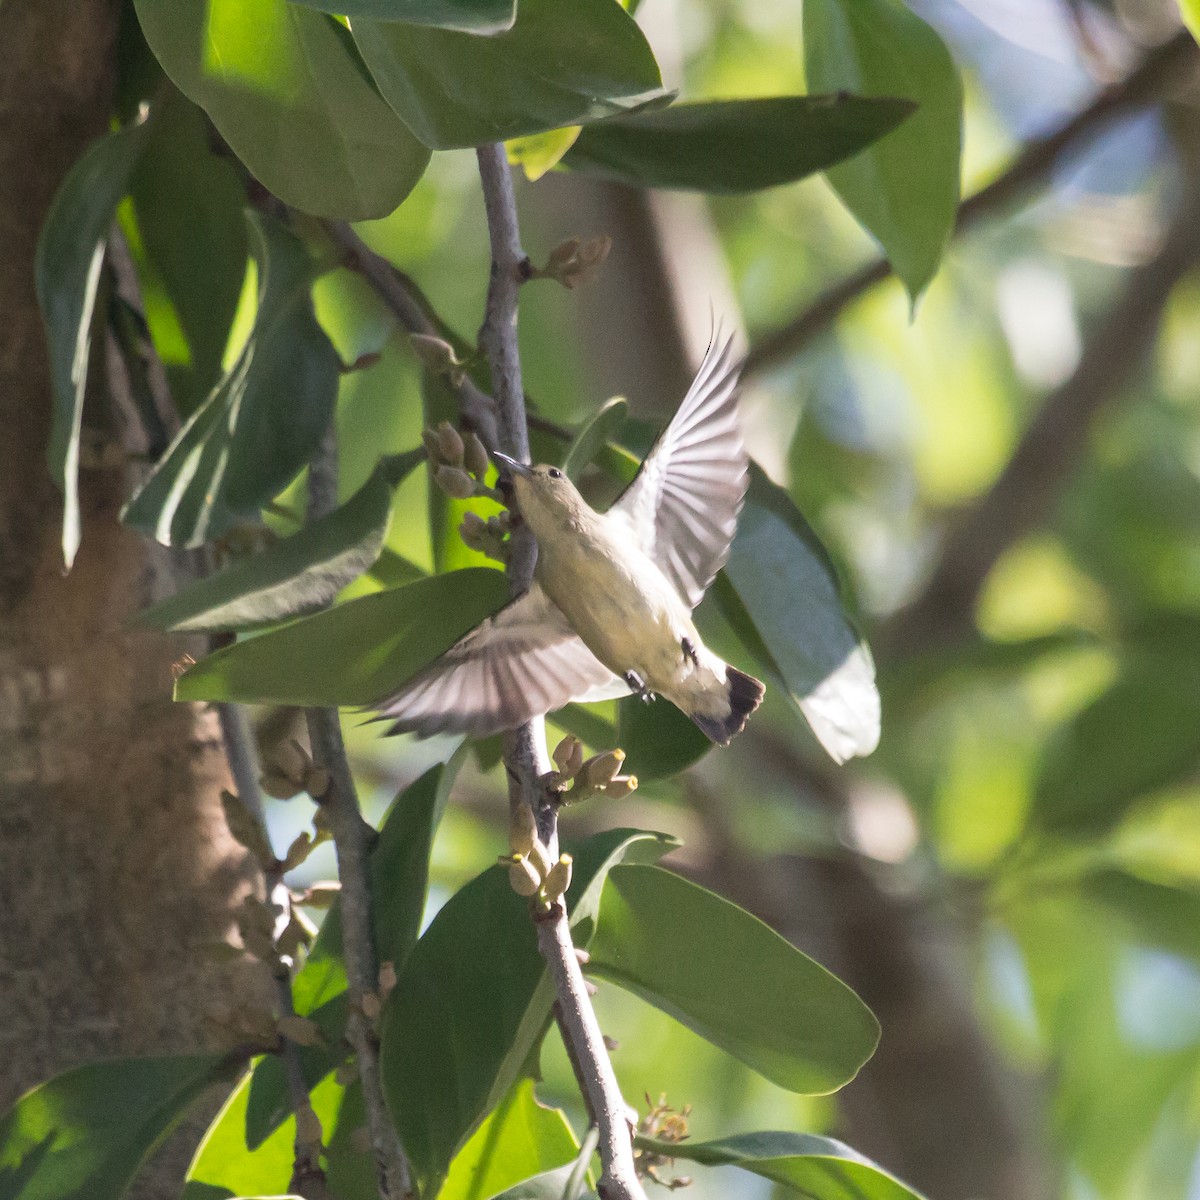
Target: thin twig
(410, 307)
(1146, 82)
(525, 748)
(352, 839)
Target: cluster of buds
(531, 871)
(575, 261)
(663, 1124)
(600, 773)
(487, 537)
(290, 770)
(459, 460)
(438, 357)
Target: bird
(610, 610)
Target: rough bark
(115, 862)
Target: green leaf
(354, 653)
(723, 973)
(817, 1167)
(261, 424)
(589, 441)
(468, 16)
(519, 1138)
(1138, 735)
(784, 601)
(188, 205)
(1191, 16)
(225, 1166)
(86, 1132)
(905, 189)
(453, 89)
(541, 152)
(399, 884)
(297, 575)
(474, 1000)
(285, 89)
(70, 253)
(734, 145)
(657, 738)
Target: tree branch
(352, 839)
(1146, 82)
(1037, 469)
(525, 748)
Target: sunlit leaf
(354, 653)
(518, 1138)
(734, 145)
(70, 253)
(469, 16)
(262, 423)
(541, 152)
(454, 89)
(732, 979)
(904, 190)
(297, 575)
(474, 1000)
(784, 601)
(285, 89)
(86, 1132)
(817, 1167)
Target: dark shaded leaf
(70, 253)
(454, 89)
(263, 422)
(468, 16)
(657, 738)
(188, 204)
(904, 190)
(732, 979)
(788, 608)
(817, 1167)
(354, 653)
(297, 575)
(287, 92)
(734, 145)
(474, 1000)
(86, 1132)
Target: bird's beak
(511, 465)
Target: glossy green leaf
(732, 979)
(657, 738)
(474, 1000)
(399, 883)
(188, 205)
(784, 600)
(262, 423)
(734, 145)
(905, 189)
(519, 1138)
(1141, 733)
(454, 89)
(298, 575)
(70, 253)
(86, 1132)
(817, 1167)
(354, 653)
(284, 87)
(603, 427)
(468, 16)
(225, 1166)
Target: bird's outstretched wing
(521, 663)
(684, 502)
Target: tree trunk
(115, 862)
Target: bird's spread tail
(745, 695)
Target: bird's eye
(554, 473)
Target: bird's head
(547, 499)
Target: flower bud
(568, 756)
(558, 879)
(475, 456)
(523, 876)
(601, 770)
(455, 482)
(621, 786)
(450, 443)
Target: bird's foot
(689, 651)
(638, 684)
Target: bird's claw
(638, 685)
(689, 651)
